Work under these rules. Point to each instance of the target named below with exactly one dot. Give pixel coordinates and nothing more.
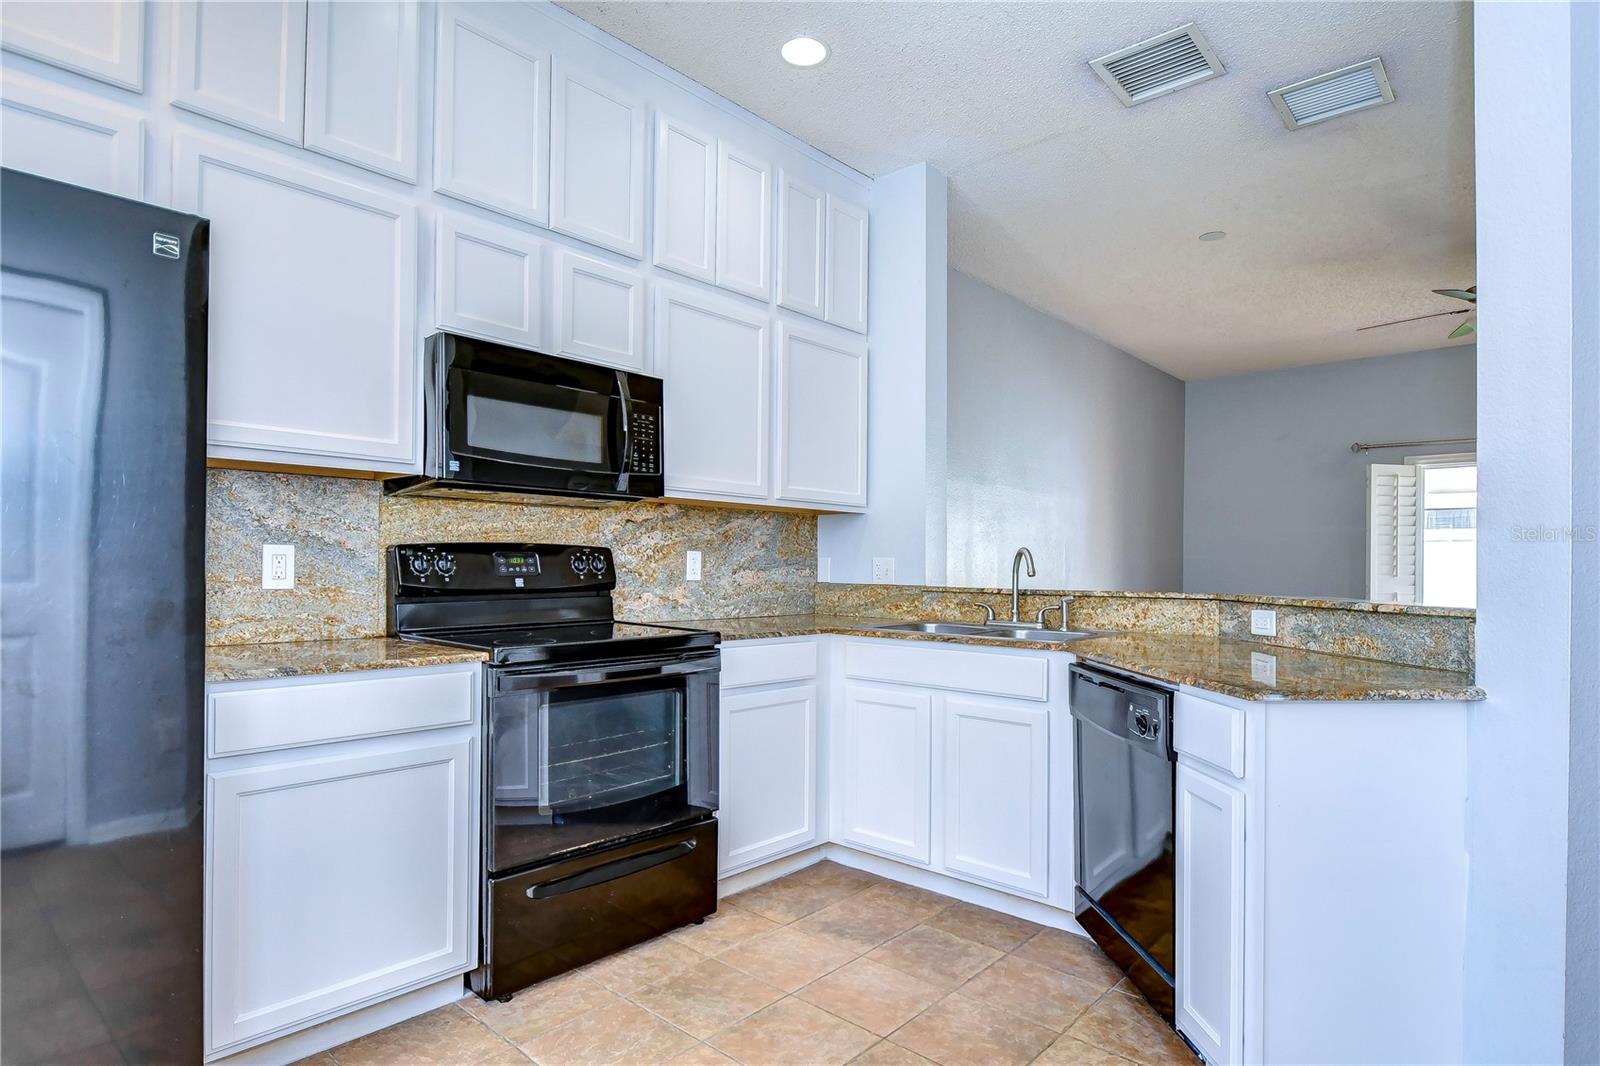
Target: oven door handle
(531, 682)
(611, 871)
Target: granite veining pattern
(1206, 661)
(259, 662)
(1445, 641)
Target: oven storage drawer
(553, 918)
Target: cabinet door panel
(884, 778)
(243, 63)
(331, 881)
(769, 775)
(102, 40)
(361, 84)
(802, 225)
(1210, 920)
(602, 312)
(744, 223)
(822, 419)
(846, 269)
(492, 116)
(490, 281)
(997, 793)
(714, 355)
(70, 137)
(686, 199)
(313, 348)
(597, 162)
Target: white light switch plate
(277, 566)
(1264, 623)
(691, 566)
(1263, 668)
(882, 569)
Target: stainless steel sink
(988, 630)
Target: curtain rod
(1359, 446)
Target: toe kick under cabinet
(341, 823)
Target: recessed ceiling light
(804, 52)
(1213, 235)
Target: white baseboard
(336, 1031)
(995, 900)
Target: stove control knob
(599, 564)
(445, 565)
(580, 564)
(420, 565)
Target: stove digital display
(507, 563)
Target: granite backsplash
(755, 562)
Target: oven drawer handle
(611, 871)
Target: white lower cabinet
(997, 792)
(339, 872)
(884, 774)
(769, 774)
(1210, 827)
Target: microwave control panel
(645, 420)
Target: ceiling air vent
(1339, 92)
(1165, 63)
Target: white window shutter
(1393, 518)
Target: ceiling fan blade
(1469, 295)
(1418, 318)
(1465, 329)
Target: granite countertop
(1216, 664)
(259, 662)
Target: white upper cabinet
(822, 418)
(103, 40)
(313, 345)
(802, 226)
(491, 135)
(714, 354)
(846, 261)
(596, 161)
(70, 136)
(601, 312)
(685, 199)
(362, 63)
(744, 222)
(490, 281)
(997, 793)
(243, 63)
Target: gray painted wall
(1059, 442)
(1274, 499)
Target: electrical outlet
(691, 566)
(1264, 623)
(277, 566)
(1263, 668)
(882, 569)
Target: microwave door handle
(624, 460)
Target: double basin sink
(990, 630)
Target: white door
(596, 161)
(491, 134)
(324, 369)
(997, 793)
(714, 354)
(822, 418)
(887, 752)
(52, 346)
(70, 136)
(601, 312)
(337, 879)
(103, 39)
(362, 63)
(846, 260)
(744, 222)
(685, 199)
(489, 281)
(1210, 920)
(802, 242)
(769, 775)
(243, 62)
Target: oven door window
(528, 423)
(574, 767)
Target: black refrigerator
(102, 616)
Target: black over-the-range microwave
(504, 421)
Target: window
(1422, 531)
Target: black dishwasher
(1124, 764)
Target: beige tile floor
(827, 965)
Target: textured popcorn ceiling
(1090, 210)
